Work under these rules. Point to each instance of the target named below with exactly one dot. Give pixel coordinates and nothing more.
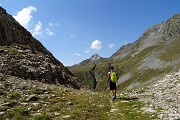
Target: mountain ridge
(24, 56)
(146, 75)
(155, 52)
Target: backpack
(113, 76)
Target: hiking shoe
(113, 97)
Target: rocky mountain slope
(153, 55)
(122, 52)
(148, 68)
(23, 56)
(163, 97)
(93, 59)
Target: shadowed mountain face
(23, 56)
(154, 54)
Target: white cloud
(77, 54)
(110, 46)
(50, 25)
(24, 16)
(53, 24)
(73, 35)
(37, 31)
(49, 32)
(96, 45)
(87, 51)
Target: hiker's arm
(117, 78)
(107, 83)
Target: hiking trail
(127, 108)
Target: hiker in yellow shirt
(111, 81)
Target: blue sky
(74, 30)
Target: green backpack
(113, 76)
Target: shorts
(112, 86)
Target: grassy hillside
(27, 99)
(153, 55)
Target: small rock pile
(163, 97)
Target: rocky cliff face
(23, 56)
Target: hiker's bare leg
(114, 92)
(111, 92)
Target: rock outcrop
(23, 56)
(163, 97)
(95, 57)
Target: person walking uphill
(112, 79)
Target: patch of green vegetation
(131, 62)
(144, 76)
(42, 116)
(85, 77)
(172, 52)
(128, 63)
(14, 95)
(3, 108)
(82, 72)
(11, 50)
(129, 110)
(21, 46)
(59, 102)
(172, 26)
(18, 113)
(141, 90)
(81, 104)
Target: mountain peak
(95, 57)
